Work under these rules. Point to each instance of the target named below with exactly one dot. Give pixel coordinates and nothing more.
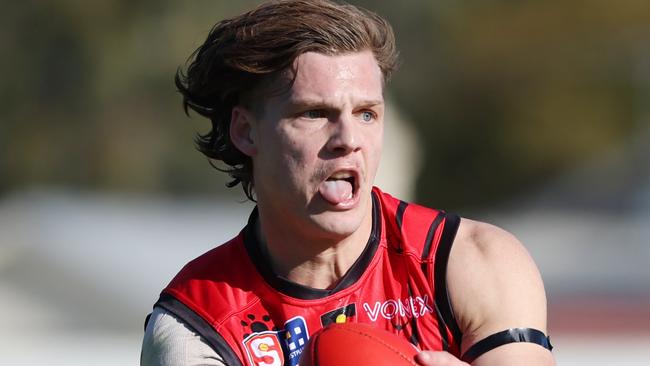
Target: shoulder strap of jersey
(443, 302)
(409, 227)
(432, 233)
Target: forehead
(321, 75)
(329, 79)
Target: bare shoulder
(493, 283)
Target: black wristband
(511, 335)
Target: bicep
(494, 285)
(169, 341)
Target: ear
(242, 130)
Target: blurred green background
(504, 95)
(533, 115)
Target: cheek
(374, 147)
(291, 151)
(380, 142)
(303, 144)
(299, 158)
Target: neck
(310, 259)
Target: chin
(340, 224)
(337, 225)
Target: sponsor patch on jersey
(410, 307)
(341, 315)
(277, 347)
(264, 349)
(295, 337)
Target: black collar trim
(257, 251)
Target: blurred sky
(532, 115)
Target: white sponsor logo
(411, 307)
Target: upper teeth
(341, 176)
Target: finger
(431, 358)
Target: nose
(346, 135)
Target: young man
(294, 90)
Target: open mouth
(340, 188)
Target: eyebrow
(309, 102)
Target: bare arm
(494, 285)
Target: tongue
(336, 191)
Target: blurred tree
(505, 94)
(509, 94)
(88, 99)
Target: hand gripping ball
(357, 344)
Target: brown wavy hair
(243, 52)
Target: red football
(357, 344)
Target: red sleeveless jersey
(251, 316)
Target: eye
(367, 116)
(314, 114)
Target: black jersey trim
(399, 218)
(399, 215)
(146, 321)
(426, 251)
(256, 248)
(528, 335)
(199, 325)
(442, 329)
(443, 302)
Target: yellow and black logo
(340, 315)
